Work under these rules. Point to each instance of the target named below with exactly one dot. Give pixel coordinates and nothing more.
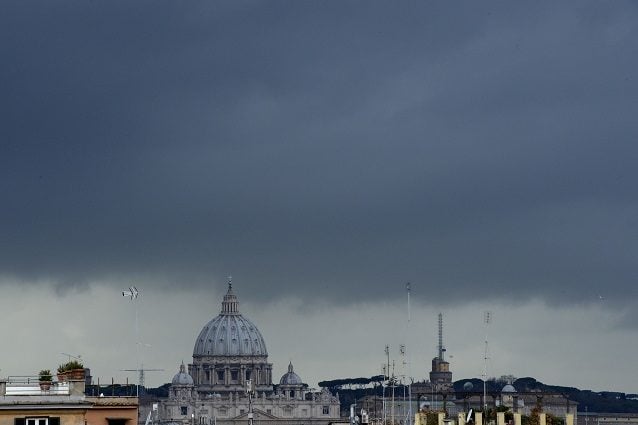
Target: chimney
(76, 387)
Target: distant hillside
(351, 389)
(601, 402)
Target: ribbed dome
(230, 333)
(182, 377)
(290, 378)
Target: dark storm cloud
(333, 149)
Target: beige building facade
(25, 403)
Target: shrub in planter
(70, 370)
(45, 378)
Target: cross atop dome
(230, 305)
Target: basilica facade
(230, 381)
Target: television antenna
(133, 294)
(71, 356)
(141, 373)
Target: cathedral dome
(290, 378)
(182, 378)
(230, 333)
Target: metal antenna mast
(441, 348)
(408, 289)
(487, 318)
(133, 293)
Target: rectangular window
(207, 376)
(269, 411)
(220, 376)
(247, 375)
(37, 421)
(184, 410)
(326, 410)
(234, 375)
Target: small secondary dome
(230, 333)
(182, 377)
(508, 389)
(290, 378)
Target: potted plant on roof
(61, 373)
(45, 378)
(73, 370)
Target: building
(553, 403)
(24, 402)
(441, 376)
(230, 380)
(439, 387)
(593, 418)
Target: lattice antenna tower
(441, 347)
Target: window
(242, 411)
(37, 421)
(207, 376)
(326, 410)
(269, 411)
(247, 375)
(234, 375)
(220, 376)
(116, 421)
(292, 393)
(183, 410)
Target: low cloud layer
(562, 346)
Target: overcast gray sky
(324, 153)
